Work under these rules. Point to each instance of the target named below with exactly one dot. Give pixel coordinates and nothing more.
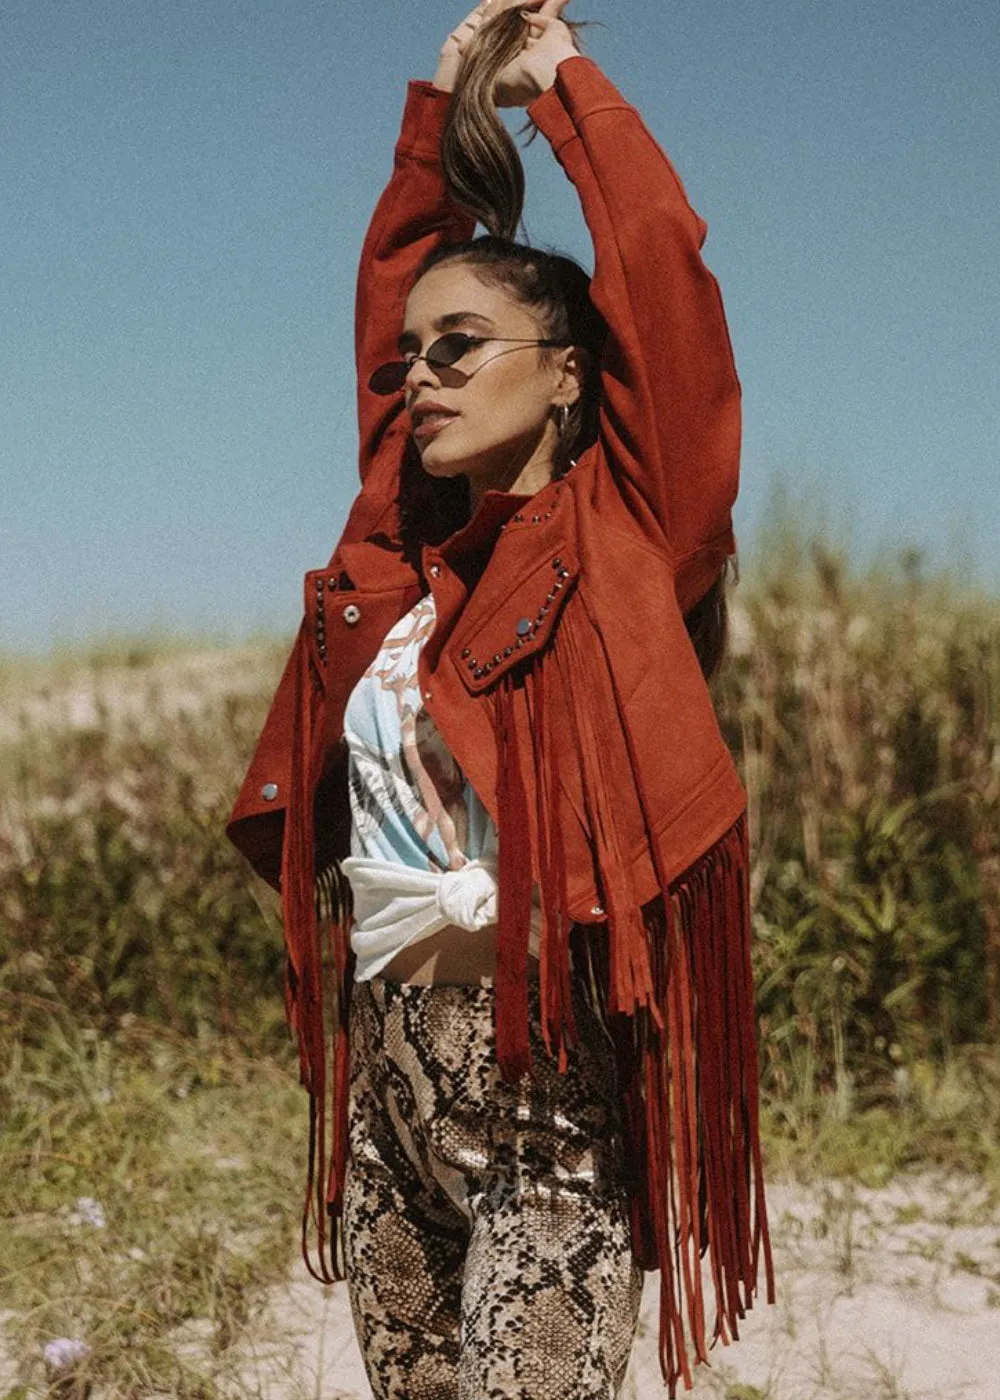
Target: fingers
(487, 10)
(460, 37)
(539, 25)
(463, 32)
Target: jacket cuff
(424, 117)
(580, 90)
(550, 116)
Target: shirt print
(410, 801)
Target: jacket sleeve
(412, 218)
(670, 418)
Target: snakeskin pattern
(486, 1225)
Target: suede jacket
(562, 677)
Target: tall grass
(865, 710)
(118, 891)
(145, 1064)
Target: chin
(440, 464)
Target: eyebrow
(409, 340)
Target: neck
(522, 479)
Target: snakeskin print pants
(486, 1224)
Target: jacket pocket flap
(484, 647)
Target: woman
(510, 841)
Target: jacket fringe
(514, 899)
(673, 984)
(319, 976)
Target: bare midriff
(452, 955)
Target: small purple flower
(88, 1212)
(64, 1352)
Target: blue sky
(184, 189)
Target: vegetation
(867, 715)
(153, 1129)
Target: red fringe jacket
(562, 677)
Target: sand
(890, 1294)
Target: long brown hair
(484, 174)
(481, 162)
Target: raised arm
(671, 398)
(413, 216)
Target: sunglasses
(446, 351)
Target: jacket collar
(466, 550)
(480, 532)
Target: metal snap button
(352, 614)
(597, 909)
(269, 792)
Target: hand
(450, 57)
(534, 69)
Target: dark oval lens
(449, 349)
(390, 378)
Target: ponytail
(482, 167)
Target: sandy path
(886, 1295)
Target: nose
(420, 375)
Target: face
(491, 415)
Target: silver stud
(597, 909)
(435, 570)
(507, 651)
(332, 585)
(466, 653)
(269, 792)
(556, 563)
